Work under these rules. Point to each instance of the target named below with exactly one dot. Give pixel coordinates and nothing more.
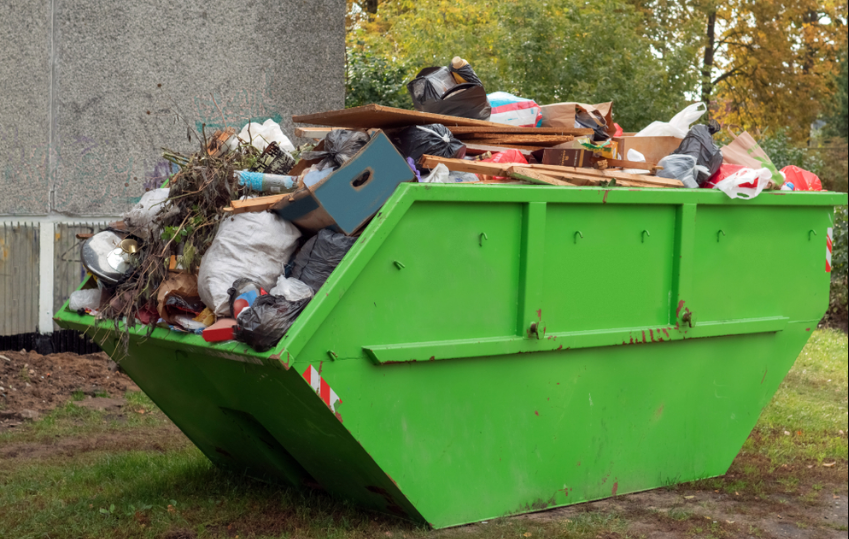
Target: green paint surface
(501, 349)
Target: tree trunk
(707, 64)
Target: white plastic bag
(746, 183)
(681, 167)
(141, 217)
(636, 157)
(678, 126)
(438, 175)
(85, 299)
(261, 135)
(441, 174)
(292, 289)
(256, 246)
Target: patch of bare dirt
(673, 513)
(32, 384)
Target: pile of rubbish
(245, 233)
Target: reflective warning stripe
(321, 387)
(829, 237)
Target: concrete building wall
(90, 91)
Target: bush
(783, 152)
(373, 79)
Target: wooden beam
(642, 179)
(462, 165)
(475, 149)
(253, 205)
(489, 141)
(507, 138)
(535, 176)
(572, 175)
(506, 129)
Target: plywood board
(462, 130)
(381, 117)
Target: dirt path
(32, 385)
(668, 514)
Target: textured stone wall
(91, 90)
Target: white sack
(252, 245)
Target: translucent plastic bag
(85, 299)
(441, 174)
(746, 183)
(684, 168)
(678, 126)
(699, 143)
(291, 289)
(141, 219)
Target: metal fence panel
(19, 278)
(67, 265)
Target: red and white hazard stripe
(321, 387)
(829, 238)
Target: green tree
(546, 50)
(764, 63)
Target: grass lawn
(79, 473)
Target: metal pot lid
(103, 256)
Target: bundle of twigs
(184, 227)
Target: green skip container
(488, 350)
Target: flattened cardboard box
(346, 199)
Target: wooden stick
(648, 181)
(489, 141)
(462, 130)
(535, 176)
(253, 205)
(461, 165)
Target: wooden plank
(535, 176)
(487, 142)
(621, 163)
(254, 205)
(574, 175)
(462, 165)
(378, 116)
(643, 179)
(318, 133)
(541, 140)
(592, 179)
(313, 132)
(476, 149)
(506, 129)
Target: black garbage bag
(466, 73)
(699, 144)
(264, 323)
(434, 90)
(432, 139)
(319, 257)
(340, 145)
